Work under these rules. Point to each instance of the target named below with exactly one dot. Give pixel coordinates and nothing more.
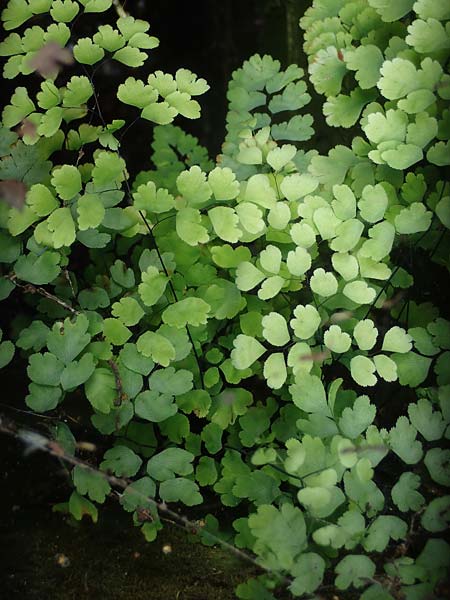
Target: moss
(109, 560)
(45, 558)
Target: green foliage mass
(236, 323)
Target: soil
(47, 556)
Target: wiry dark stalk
(150, 230)
(381, 291)
(438, 243)
(172, 289)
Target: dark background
(212, 38)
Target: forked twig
(33, 289)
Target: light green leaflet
(306, 321)
(275, 329)
(246, 351)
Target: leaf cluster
(238, 319)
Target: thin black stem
(129, 127)
(147, 225)
(172, 289)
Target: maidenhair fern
(238, 325)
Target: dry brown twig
(33, 289)
(120, 393)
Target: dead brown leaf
(315, 356)
(27, 127)
(50, 58)
(391, 302)
(13, 193)
(340, 316)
